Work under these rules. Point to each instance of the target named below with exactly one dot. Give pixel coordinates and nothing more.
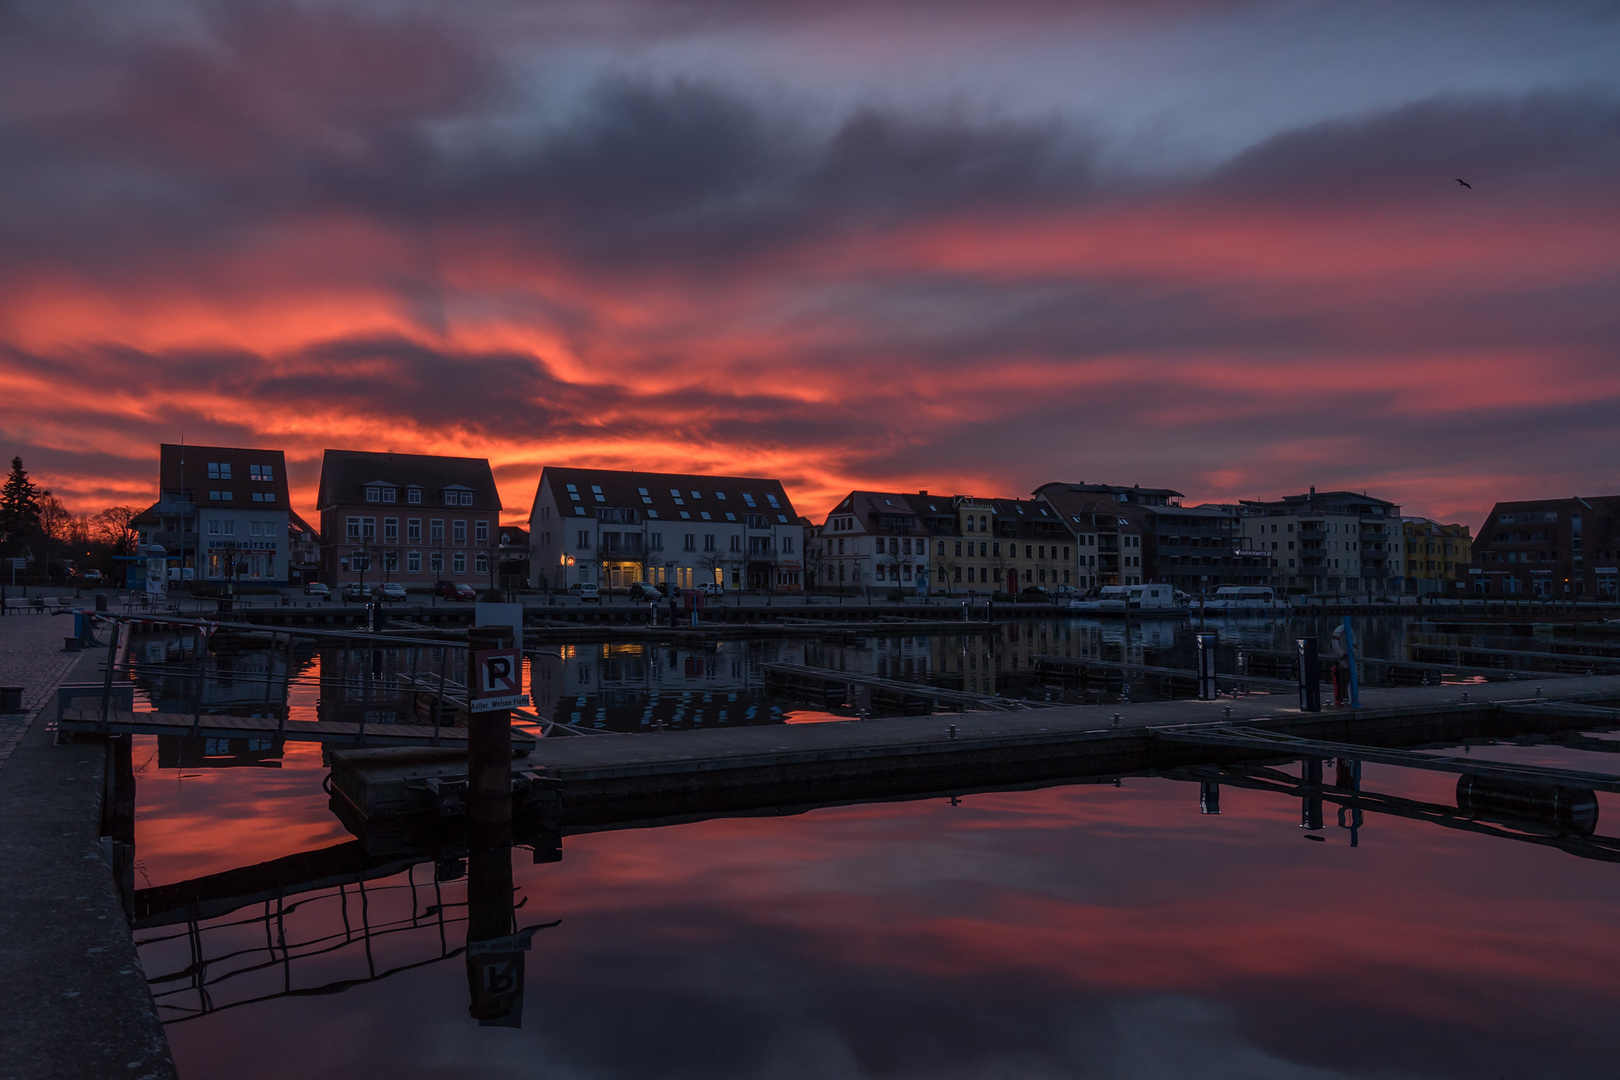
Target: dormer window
(466, 498)
(388, 494)
(413, 495)
(373, 493)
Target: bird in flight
(1464, 183)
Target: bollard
(1209, 797)
(1206, 667)
(489, 736)
(374, 618)
(1310, 676)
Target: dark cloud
(1544, 140)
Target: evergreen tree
(19, 508)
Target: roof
(346, 473)
(872, 507)
(1135, 494)
(1323, 502)
(224, 476)
(295, 523)
(667, 496)
(1080, 509)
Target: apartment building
(613, 528)
(413, 518)
(1337, 543)
(1432, 554)
(1548, 549)
(221, 515)
(880, 540)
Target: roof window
(747, 498)
(772, 500)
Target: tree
(115, 527)
(19, 508)
(56, 525)
(815, 562)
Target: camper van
(1244, 600)
(1128, 599)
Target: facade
(1196, 549)
(1007, 546)
(1433, 554)
(1111, 527)
(221, 515)
(879, 540)
(412, 518)
(303, 550)
(1338, 543)
(1548, 549)
(612, 529)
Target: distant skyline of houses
(223, 512)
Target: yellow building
(1432, 554)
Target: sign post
(494, 688)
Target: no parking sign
(497, 680)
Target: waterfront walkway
(74, 1003)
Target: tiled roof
(669, 496)
(224, 476)
(345, 474)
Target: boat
(1242, 600)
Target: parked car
(455, 590)
(317, 588)
(585, 590)
(89, 577)
(642, 590)
(711, 588)
(360, 593)
(1036, 592)
(1065, 592)
(391, 591)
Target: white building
(614, 528)
(221, 514)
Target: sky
(1212, 245)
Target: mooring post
(1209, 797)
(106, 685)
(1310, 675)
(494, 673)
(1206, 667)
(1350, 663)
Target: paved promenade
(31, 657)
(74, 1002)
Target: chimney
(922, 492)
(1313, 491)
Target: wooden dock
(1184, 676)
(617, 780)
(247, 727)
(797, 677)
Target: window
(690, 542)
(458, 562)
(391, 561)
(219, 470)
(391, 530)
(264, 496)
(481, 531)
(413, 495)
(388, 494)
(413, 562)
(436, 563)
(772, 500)
(451, 499)
(1028, 550)
(458, 532)
(436, 531)
(259, 472)
(413, 530)
(787, 545)
(481, 562)
(352, 533)
(213, 528)
(958, 547)
(221, 496)
(373, 494)
(708, 542)
(749, 499)
(583, 542)
(736, 543)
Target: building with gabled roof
(418, 519)
(612, 528)
(221, 515)
(880, 540)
